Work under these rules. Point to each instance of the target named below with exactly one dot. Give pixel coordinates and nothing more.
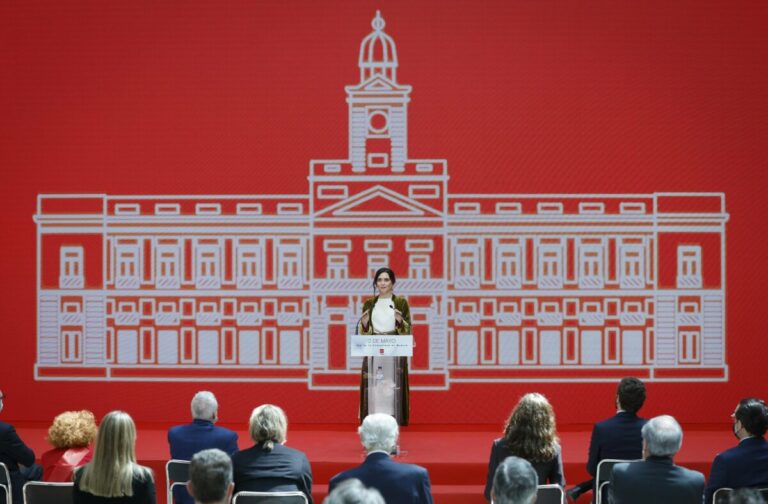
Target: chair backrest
(5, 485)
(43, 492)
(550, 494)
(603, 477)
(270, 498)
(176, 474)
(723, 495)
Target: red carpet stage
(456, 456)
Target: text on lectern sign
(382, 345)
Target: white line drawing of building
(502, 287)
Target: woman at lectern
(385, 313)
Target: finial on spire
(378, 22)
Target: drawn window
(207, 266)
(689, 347)
(289, 261)
(419, 266)
(591, 266)
(338, 266)
(376, 261)
(71, 276)
(631, 266)
(508, 266)
(249, 266)
(71, 346)
(689, 266)
(128, 266)
(168, 266)
(467, 266)
(550, 270)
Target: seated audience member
(210, 477)
(617, 437)
(269, 465)
(352, 491)
(746, 496)
(746, 464)
(188, 439)
(17, 457)
(515, 482)
(657, 478)
(71, 435)
(397, 483)
(531, 434)
(113, 476)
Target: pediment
(378, 83)
(378, 201)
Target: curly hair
(72, 429)
(530, 432)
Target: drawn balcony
(246, 319)
(632, 318)
(126, 318)
(592, 318)
(290, 319)
(71, 318)
(689, 319)
(167, 318)
(549, 318)
(508, 319)
(208, 318)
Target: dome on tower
(378, 55)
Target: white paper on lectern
(381, 345)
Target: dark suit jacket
(13, 452)
(656, 480)
(186, 440)
(398, 483)
(282, 469)
(548, 472)
(616, 438)
(744, 465)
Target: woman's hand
(398, 317)
(365, 318)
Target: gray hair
(204, 406)
(268, 425)
(746, 496)
(378, 432)
(663, 436)
(352, 491)
(210, 475)
(515, 482)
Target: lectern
(385, 369)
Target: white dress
(382, 395)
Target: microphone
(392, 306)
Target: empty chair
(176, 474)
(5, 485)
(723, 495)
(550, 494)
(270, 498)
(44, 492)
(603, 478)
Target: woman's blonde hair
(113, 468)
(72, 429)
(530, 432)
(268, 425)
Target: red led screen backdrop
(196, 196)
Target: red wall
(207, 97)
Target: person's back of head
(753, 415)
(113, 467)
(210, 477)
(378, 432)
(662, 436)
(204, 406)
(72, 429)
(515, 482)
(630, 394)
(268, 425)
(352, 491)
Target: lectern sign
(382, 346)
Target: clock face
(378, 122)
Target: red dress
(59, 463)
